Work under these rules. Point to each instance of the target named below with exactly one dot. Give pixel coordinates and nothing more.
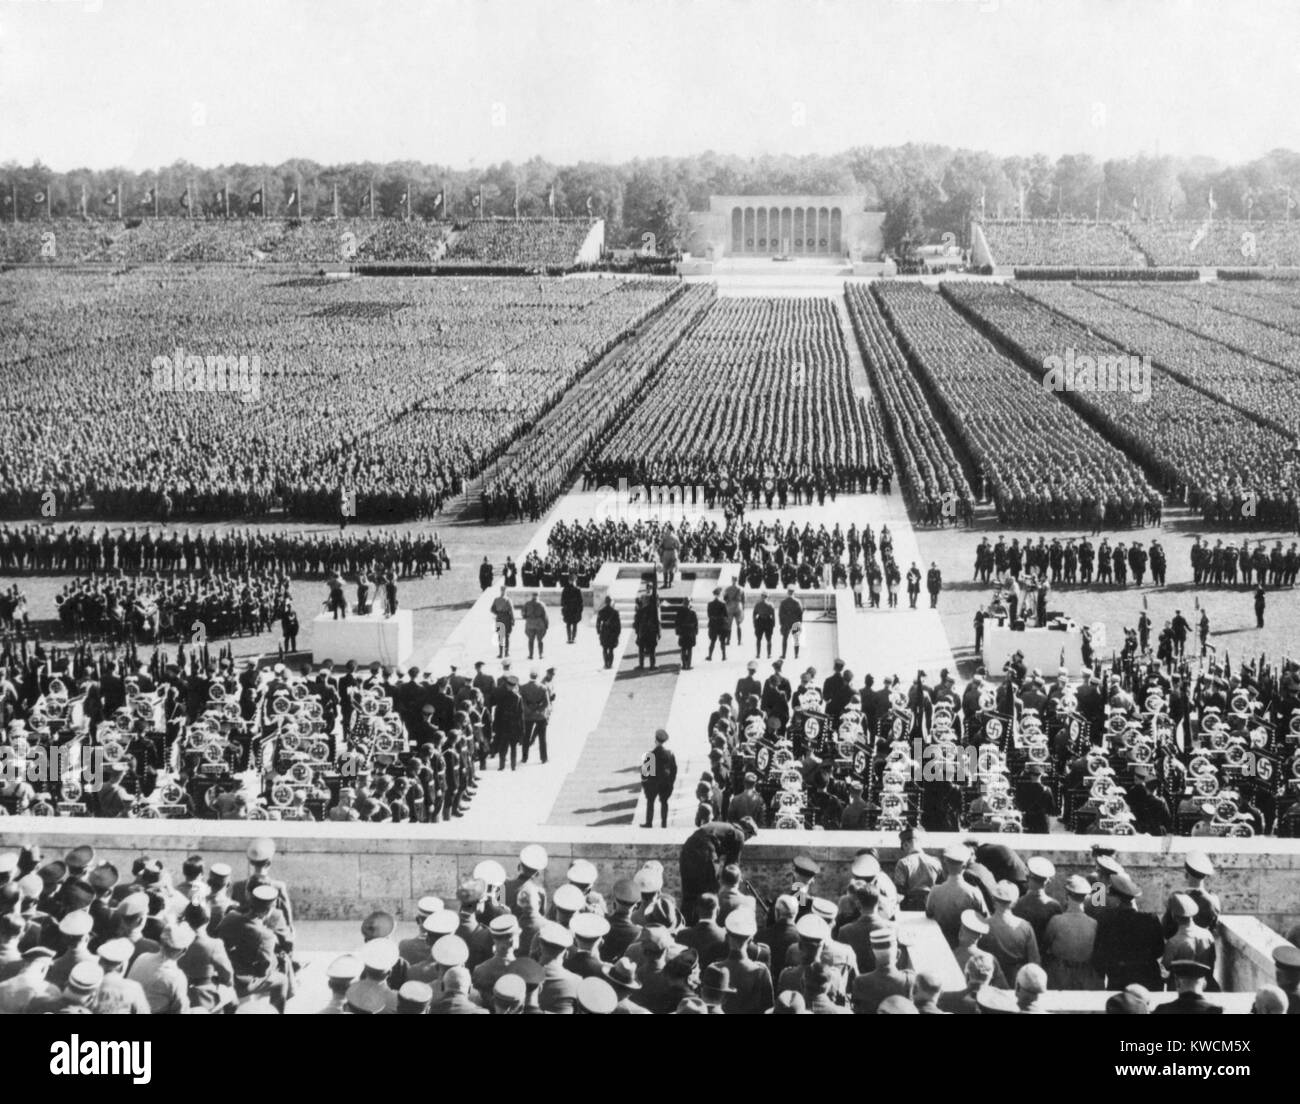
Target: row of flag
(256, 200)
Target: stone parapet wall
(343, 871)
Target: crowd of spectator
(1062, 242)
(532, 243)
(1231, 243)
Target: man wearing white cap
(1069, 939)
(750, 980)
(437, 925)
(341, 973)
(1010, 939)
(74, 932)
(1198, 868)
(415, 949)
(82, 987)
(560, 987)
(505, 944)
(159, 974)
(118, 995)
(532, 868)
(449, 953)
(493, 876)
(975, 927)
(378, 958)
(260, 853)
(814, 934)
(1036, 906)
(954, 895)
(588, 930)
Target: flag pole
(372, 197)
(13, 200)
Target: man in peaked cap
(1190, 940)
(954, 895)
(533, 861)
(706, 850)
(596, 997)
(560, 988)
(74, 933)
(1107, 868)
(1010, 938)
(1286, 965)
(415, 949)
(623, 932)
(509, 994)
(975, 927)
(1190, 978)
(341, 973)
(1198, 868)
(886, 980)
(504, 930)
(1069, 939)
(588, 930)
(1036, 906)
(1129, 943)
(118, 995)
(260, 853)
(28, 992)
(751, 981)
(582, 874)
(493, 876)
(79, 860)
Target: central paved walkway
(604, 721)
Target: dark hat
(1189, 967)
(1127, 1003)
(621, 973)
(804, 865)
(1287, 957)
(532, 972)
(716, 978)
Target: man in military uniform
(1129, 943)
(1069, 939)
(706, 850)
(1286, 964)
(1036, 906)
(533, 861)
(764, 617)
(1190, 977)
(1198, 868)
(954, 895)
(260, 854)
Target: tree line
(925, 190)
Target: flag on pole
(437, 201)
(1210, 202)
(185, 199)
(550, 198)
(147, 198)
(255, 202)
(589, 205)
(293, 199)
(111, 198)
(476, 201)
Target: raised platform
(373, 638)
(1044, 649)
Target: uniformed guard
(533, 861)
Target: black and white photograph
(673, 507)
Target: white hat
(451, 950)
(491, 873)
(553, 935)
(380, 954)
(742, 922)
(587, 925)
(813, 928)
(534, 857)
(569, 898)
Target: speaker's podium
(372, 638)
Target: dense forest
(924, 189)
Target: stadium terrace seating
(518, 243)
(1231, 243)
(1083, 244)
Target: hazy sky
(141, 83)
